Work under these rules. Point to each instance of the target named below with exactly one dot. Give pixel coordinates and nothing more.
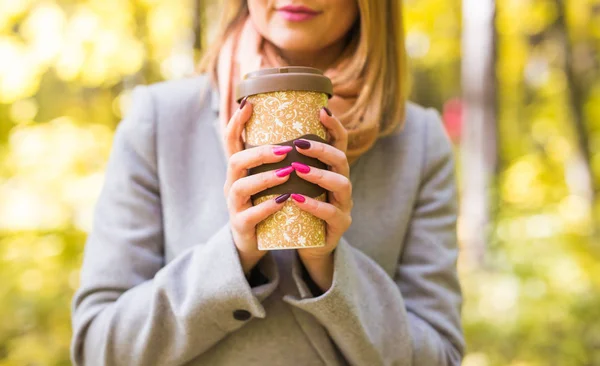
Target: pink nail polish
(302, 168)
(298, 197)
(282, 150)
(284, 171)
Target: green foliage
(536, 299)
(39, 272)
(65, 79)
(66, 73)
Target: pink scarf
(245, 50)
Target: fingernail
(282, 198)
(327, 111)
(302, 168)
(282, 150)
(243, 102)
(298, 197)
(284, 171)
(302, 144)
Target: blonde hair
(380, 58)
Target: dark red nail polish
(282, 198)
(298, 197)
(243, 103)
(302, 144)
(328, 111)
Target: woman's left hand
(336, 212)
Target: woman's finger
(252, 216)
(335, 218)
(328, 154)
(339, 185)
(235, 127)
(337, 131)
(241, 161)
(243, 188)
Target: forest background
(518, 85)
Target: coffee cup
(286, 105)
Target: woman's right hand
(239, 186)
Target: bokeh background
(518, 85)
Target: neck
(322, 59)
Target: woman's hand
(239, 187)
(336, 212)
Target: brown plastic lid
(284, 78)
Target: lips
(297, 13)
(298, 9)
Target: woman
(171, 271)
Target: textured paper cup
(279, 116)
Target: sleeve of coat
(414, 317)
(131, 308)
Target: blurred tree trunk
(130, 81)
(199, 12)
(479, 145)
(583, 184)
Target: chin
(295, 41)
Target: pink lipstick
(295, 13)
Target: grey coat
(162, 284)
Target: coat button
(241, 315)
